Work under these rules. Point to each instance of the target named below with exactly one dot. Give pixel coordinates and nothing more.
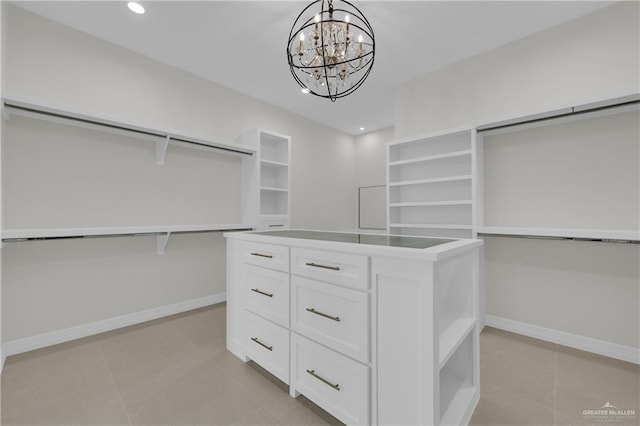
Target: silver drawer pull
(313, 311)
(268, 256)
(275, 226)
(262, 292)
(255, 339)
(318, 265)
(323, 380)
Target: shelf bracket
(161, 150)
(5, 112)
(162, 242)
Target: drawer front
(334, 316)
(268, 255)
(336, 383)
(268, 345)
(267, 293)
(337, 268)
(273, 224)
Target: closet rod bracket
(161, 150)
(162, 242)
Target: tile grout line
(124, 408)
(197, 348)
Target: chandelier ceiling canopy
(330, 49)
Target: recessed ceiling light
(305, 90)
(361, 128)
(135, 7)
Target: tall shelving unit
(430, 184)
(431, 191)
(265, 179)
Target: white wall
(57, 176)
(370, 170)
(550, 284)
(2, 39)
(371, 157)
(591, 58)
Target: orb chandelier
(330, 49)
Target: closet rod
(549, 237)
(32, 110)
(137, 234)
(567, 112)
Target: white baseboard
(26, 344)
(600, 347)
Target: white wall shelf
(431, 203)
(273, 163)
(265, 188)
(162, 138)
(453, 336)
(434, 180)
(161, 232)
(431, 158)
(561, 233)
(454, 411)
(265, 179)
(429, 226)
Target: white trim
(614, 234)
(2, 358)
(601, 347)
(26, 344)
(116, 230)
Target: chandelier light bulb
(331, 65)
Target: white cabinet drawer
(267, 293)
(268, 345)
(273, 223)
(333, 267)
(336, 383)
(334, 316)
(267, 255)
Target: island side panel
(405, 376)
(235, 300)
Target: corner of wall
(2, 53)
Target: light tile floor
(176, 371)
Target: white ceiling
(241, 44)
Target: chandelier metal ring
(339, 52)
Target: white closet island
(375, 329)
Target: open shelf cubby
(458, 388)
(274, 202)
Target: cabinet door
(267, 293)
(336, 383)
(267, 255)
(334, 316)
(333, 267)
(268, 345)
